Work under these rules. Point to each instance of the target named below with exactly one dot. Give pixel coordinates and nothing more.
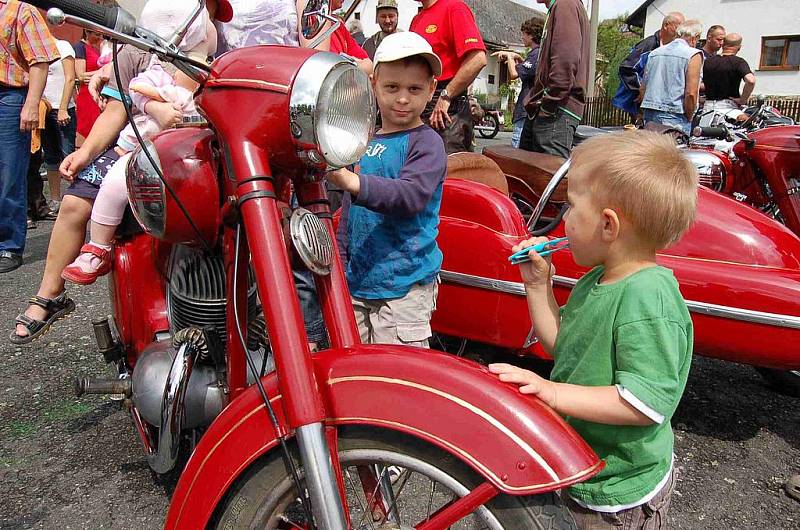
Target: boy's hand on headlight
(345, 179)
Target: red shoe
(92, 263)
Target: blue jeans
(15, 153)
(671, 119)
(309, 303)
(552, 135)
(58, 141)
(518, 125)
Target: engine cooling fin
(197, 296)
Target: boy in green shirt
(623, 343)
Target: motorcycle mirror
(558, 176)
(314, 17)
(177, 37)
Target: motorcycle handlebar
(720, 133)
(111, 17)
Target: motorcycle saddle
(477, 168)
(533, 170)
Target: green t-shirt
(637, 334)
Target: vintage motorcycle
(758, 167)
(738, 269)
(486, 118)
(204, 299)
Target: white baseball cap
(406, 44)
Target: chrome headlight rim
(139, 172)
(306, 109)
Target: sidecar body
(738, 270)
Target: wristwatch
(444, 95)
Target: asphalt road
(77, 464)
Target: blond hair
(645, 177)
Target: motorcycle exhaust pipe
(97, 385)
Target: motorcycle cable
(287, 457)
(129, 112)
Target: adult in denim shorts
(61, 121)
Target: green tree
(614, 43)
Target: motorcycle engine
(196, 298)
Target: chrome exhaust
(162, 458)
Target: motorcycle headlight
(146, 192)
(332, 110)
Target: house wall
(752, 19)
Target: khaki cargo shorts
(405, 320)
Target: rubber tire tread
(238, 508)
(494, 132)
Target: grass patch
(67, 411)
(21, 429)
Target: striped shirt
(25, 40)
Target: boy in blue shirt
(623, 343)
(390, 211)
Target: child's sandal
(76, 274)
(56, 308)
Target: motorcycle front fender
(514, 441)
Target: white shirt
(259, 22)
(55, 77)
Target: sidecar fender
(514, 441)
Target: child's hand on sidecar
(537, 271)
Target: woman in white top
(58, 138)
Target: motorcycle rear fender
(514, 441)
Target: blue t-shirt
(387, 234)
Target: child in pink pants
(153, 84)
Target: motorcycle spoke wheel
(392, 482)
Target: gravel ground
(77, 464)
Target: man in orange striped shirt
(26, 50)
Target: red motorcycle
(758, 168)
(389, 436)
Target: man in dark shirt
(723, 75)
(386, 17)
(523, 69)
(715, 37)
(627, 97)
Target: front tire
(265, 497)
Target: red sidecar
(739, 270)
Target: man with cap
(386, 17)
